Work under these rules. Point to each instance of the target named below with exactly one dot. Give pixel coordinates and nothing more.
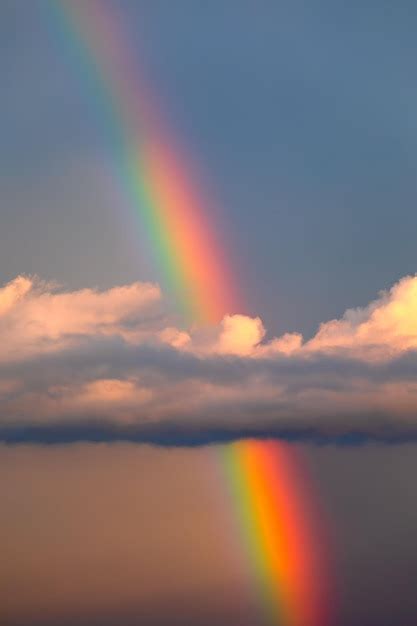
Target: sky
(297, 120)
(301, 118)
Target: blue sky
(301, 117)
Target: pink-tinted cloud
(112, 361)
(389, 324)
(35, 317)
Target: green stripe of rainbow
(275, 516)
(279, 528)
(149, 164)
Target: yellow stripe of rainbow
(271, 504)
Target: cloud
(389, 324)
(91, 365)
(36, 318)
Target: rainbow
(280, 529)
(151, 166)
(272, 505)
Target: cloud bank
(109, 365)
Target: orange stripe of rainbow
(271, 504)
(150, 165)
(278, 523)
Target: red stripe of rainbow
(275, 515)
(151, 166)
(281, 530)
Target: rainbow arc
(272, 505)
